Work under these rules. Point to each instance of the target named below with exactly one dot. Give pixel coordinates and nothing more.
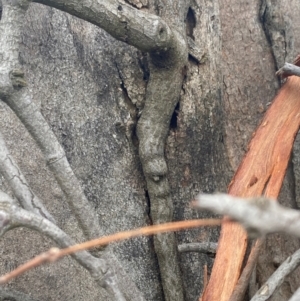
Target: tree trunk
(91, 89)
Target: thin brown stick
(241, 287)
(55, 253)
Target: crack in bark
(129, 125)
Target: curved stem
(14, 92)
(101, 269)
(152, 130)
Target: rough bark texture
(260, 173)
(250, 59)
(91, 89)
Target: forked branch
(12, 216)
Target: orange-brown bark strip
(261, 171)
(55, 253)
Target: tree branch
(14, 92)
(277, 278)
(55, 254)
(152, 130)
(13, 175)
(55, 156)
(12, 216)
(140, 29)
(261, 171)
(243, 282)
(288, 69)
(259, 216)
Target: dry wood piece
(261, 172)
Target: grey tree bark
(136, 106)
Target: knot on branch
(155, 168)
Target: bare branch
(277, 278)
(144, 31)
(55, 254)
(14, 92)
(13, 216)
(260, 216)
(288, 69)
(200, 247)
(100, 269)
(152, 131)
(37, 126)
(138, 28)
(13, 175)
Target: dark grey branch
(144, 31)
(152, 131)
(289, 69)
(260, 216)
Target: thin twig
(55, 253)
(242, 285)
(277, 278)
(118, 286)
